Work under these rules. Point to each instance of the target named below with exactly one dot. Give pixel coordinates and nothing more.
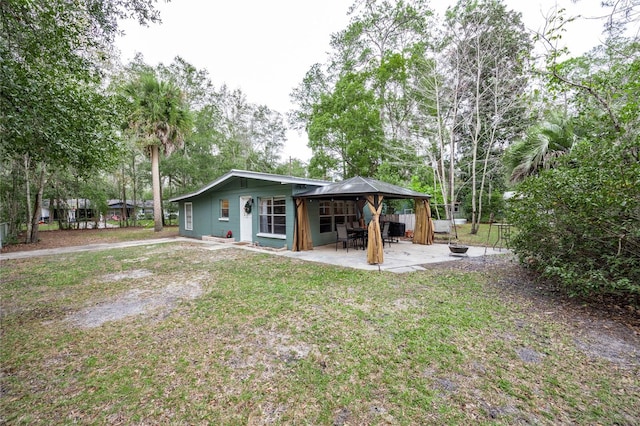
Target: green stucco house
(256, 208)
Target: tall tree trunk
(133, 185)
(476, 136)
(440, 169)
(155, 178)
(33, 211)
(27, 182)
(35, 220)
(123, 215)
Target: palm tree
(160, 118)
(541, 147)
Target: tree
(579, 221)
(53, 113)
(540, 148)
(159, 119)
(490, 49)
(345, 125)
(375, 56)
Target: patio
(400, 257)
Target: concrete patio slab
(400, 257)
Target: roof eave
(249, 175)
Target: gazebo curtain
(424, 230)
(375, 254)
(302, 240)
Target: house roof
(360, 186)
(251, 175)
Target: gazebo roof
(360, 187)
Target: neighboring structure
(69, 210)
(142, 209)
(253, 207)
(116, 209)
(80, 209)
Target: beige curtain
(302, 240)
(430, 227)
(375, 254)
(424, 232)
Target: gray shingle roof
(360, 186)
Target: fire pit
(458, 248)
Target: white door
(246, 221)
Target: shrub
(580, 223)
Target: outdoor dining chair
(385, 234)
(343, 236)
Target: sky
(265, 47)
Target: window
(224, 209)
(273, 216)
(188, 216)
(333, 213)
(326, 219)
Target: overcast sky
(266, 47)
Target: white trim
(223, 219)
(188, 226)
(274, 236)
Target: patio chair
(385, 234)
(343, 236)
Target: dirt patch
(136, 302)
(267, 352)
(136, 273)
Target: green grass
(275, 340)
(486, 235)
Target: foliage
(345, 125)
(543, 143)
(488, 52)
(357, 107)
(158, 117)
(580, 223)
(54, 113)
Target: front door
(246, 220)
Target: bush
(580, 223)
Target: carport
(365, 191)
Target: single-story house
(142, 209)
(68, 210)
(247, 206)
(284, 211)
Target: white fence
(409, 220)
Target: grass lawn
(179, 334)
(486, 235)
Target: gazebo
(364, 191)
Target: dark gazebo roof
(360, 187)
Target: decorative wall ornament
(248, 205)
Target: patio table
(360, 234)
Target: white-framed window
(326, 216)
(336, 212)
(273, 215)
(188, 216)
(224, 210)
